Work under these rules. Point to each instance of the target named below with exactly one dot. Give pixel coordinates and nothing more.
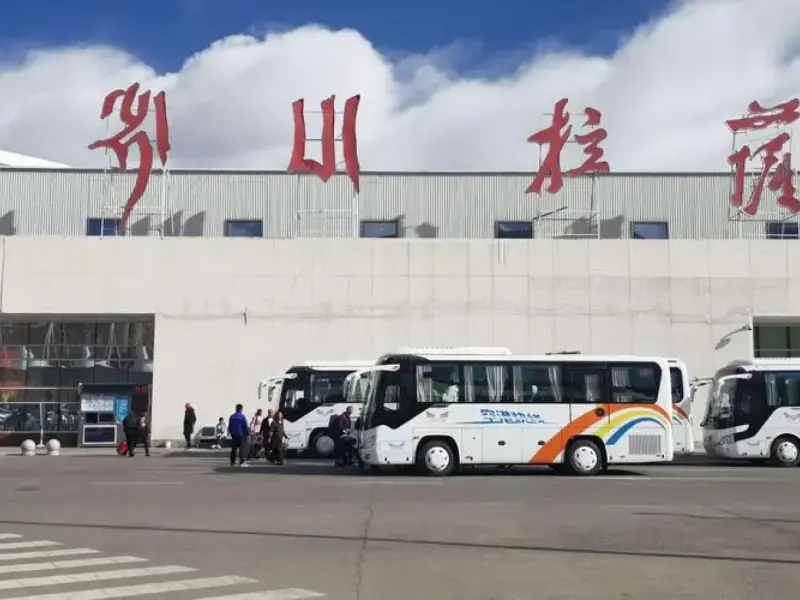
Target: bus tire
(584, 458)
(437, 458)
(785, 452)
(322, 445)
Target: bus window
(676, 383)
(635, 384)
(584, 384)
(539, 383)
(438, 382)
(783, 389)
(488, 383)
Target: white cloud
(664, 94)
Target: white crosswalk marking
(71, 564)
(95, 576)
(287, 594)
(89, 570)
(144, 589)
(6, 556)
(20, 545)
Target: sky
(443, 85)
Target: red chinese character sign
(556, 136)
(324, 170)
(121, 143)
(772, 152)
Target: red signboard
(779, 180)
(556, 135)
(324, 170)
(122, 141)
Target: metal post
(41, 426)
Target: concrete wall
(426, 205)
(230, 311)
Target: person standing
(130, 426)
(238, 430)
(256, 442)
(143, 434)
(189, 420)
(266, 424)
(343, 439)
(277, 436)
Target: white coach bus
(575, 412)
(310, 394)
(753, 412)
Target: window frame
(527, 225)
(772, 230)
(636, 365)
(664, 224)
(98, 227)
(365, 224)
(232, 223)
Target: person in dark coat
(277, 435)
(189, 420)
(130, 427)
(143, 434)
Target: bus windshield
(327, 387)
(719, 412)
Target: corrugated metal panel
(47, 202)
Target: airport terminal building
(223, 278)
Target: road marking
(47, 553)
(72, 564)
(19, 545)
(287, 594)
(9, 536)
(144, 589)
(398, 482)
(92, 577)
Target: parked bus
(575, 412)
(754, 412)
(310, 394)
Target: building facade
(230, 277)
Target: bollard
(28, 448)
(53, 448)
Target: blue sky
(165, 32)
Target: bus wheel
(785, 452)
(437, 458)
(323, 444)
(584, 458)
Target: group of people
(248, 439)
(137, 432)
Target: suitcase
(122, 448)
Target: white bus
(576, 412)
(310, 394)
(754, 412)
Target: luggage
(122, 448)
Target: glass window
(649, 230)
(327, 387)
(676, 383)
(20, 416)
(438, 383)
(775, 341)
(488, 383)
(783, 388)
(537, 383)
(102, 226)
(782, 230)
(244, 228)
(584, 384)
(635, 384)
(380, 229)
(520, 230)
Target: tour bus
(753, 412)
(575, 412)
(310, 394)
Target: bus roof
(333, 365)
(545, 358)
(764, 364)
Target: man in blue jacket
(238, 430)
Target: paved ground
(187, 527)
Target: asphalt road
(188, 527)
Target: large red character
(300, 164)
(780, 180)
(120, 143)
(555, 139)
